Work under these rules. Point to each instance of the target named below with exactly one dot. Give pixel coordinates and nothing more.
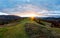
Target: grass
(15, 31)
(18, 30)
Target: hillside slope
(15, 31)
(27, 28)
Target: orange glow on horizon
(32, 18)
(29, 14)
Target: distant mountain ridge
(5, 19)
(51, 18)
(8, 16)
(55, 22)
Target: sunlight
(32, 18)
(31, 14)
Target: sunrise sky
(30, 7)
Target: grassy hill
(28, 28)
(15, 31)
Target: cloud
(46, 4)
(3, 13)
(22, 9)
(29, 8)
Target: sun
(29, 14)
(32, 16)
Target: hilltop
(27, 28)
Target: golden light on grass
(32, 18)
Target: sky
(45, 7)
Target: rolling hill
(20, 30)
(6, 19)
(55, 22)
(27, 28)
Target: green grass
(18, 30)
(15, 31)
